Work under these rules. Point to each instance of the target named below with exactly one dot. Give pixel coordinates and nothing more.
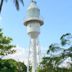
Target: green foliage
(21, 67)
(65, 39)
(56, 55)
(5, 45)
(10, 65)
(53, 48)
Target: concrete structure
(33, 23)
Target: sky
(57, 16)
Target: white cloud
(20, 55)
(66, 63)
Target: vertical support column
(34, 62)
(38, 52)
(28, 64)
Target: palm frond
(65, 39)
(1, 4)
(22, 2)
(17, 3)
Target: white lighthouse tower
(33, 23)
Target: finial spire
(32, 0)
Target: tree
(16, 2)
(56, 55)
(21, 67)
(5, 45)
(10, 65)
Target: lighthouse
(33, 22)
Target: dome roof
(33, 14)
(33, 4)
(33, 10)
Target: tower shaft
(33, 22)
(34, 55)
